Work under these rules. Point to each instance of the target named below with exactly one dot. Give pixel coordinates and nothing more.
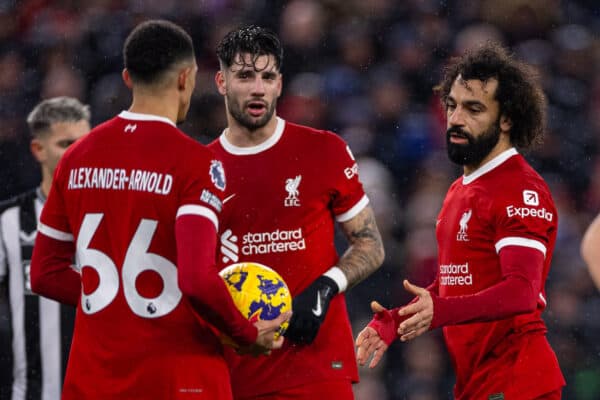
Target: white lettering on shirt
(120, 179)
(455, 275)
(525, 212)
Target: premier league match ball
(259, 293)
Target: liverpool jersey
(282, 201)
(117, 194)
(503, 203)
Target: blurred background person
(590, 250)
(39, 335)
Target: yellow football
(258, 291)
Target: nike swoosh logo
(317, 311)
(226, 199)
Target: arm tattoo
(365, 253)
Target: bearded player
(287, 187)
(138, 202)
(496, 233)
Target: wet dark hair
(519, 93)
(153, 47)
(251, 39)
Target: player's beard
(247, 121)
(476, 149)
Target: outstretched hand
(266, 339)
(369, 343)
(422, 309)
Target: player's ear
(182, 78)
(221, 82)
(38, 150)
(505, 123)
(127, 78)
(279, 85)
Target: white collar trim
(244, 151)
(145, 117)
(490, 165)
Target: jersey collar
(267, 144)
(144, 117)
(490, 165)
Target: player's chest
(463, 226)
(261, 188)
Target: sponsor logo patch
(531, 198)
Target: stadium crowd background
(364, 69)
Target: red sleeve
(348, 194)
(52, 274)
(198, 278)
(516, 293)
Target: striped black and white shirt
(35, 332)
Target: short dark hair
(153, 47)
(252, 39)
(519, 92)
(55, 110)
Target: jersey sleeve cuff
(520, 241)
(55, 233)
(338, 277)
(352, 212)
(194, 209)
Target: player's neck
(46, 185)
(240, 136)
(501, 147)
(161, 106)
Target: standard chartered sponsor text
(455, 275)
(276, 241)
(120, 179)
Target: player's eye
(63, 144)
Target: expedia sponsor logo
(455, 275)
(527, 212)
(350, 172)
(277, 241)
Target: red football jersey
(503, 203)
(280, 206)
(117, 194)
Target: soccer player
(590, 250)
(40, 329)
(496, 233)
(287, 186)
(138, 201)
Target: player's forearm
(365, 253)
(517, 293)
(52, 274)
(200, 282)
(511, 297)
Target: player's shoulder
(317, 140)
(17, 200)
(516, 182)
(519, 175)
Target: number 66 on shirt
(137, 260)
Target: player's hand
(265, 341)
(369, 343)
(310, 308)
(422, 309)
